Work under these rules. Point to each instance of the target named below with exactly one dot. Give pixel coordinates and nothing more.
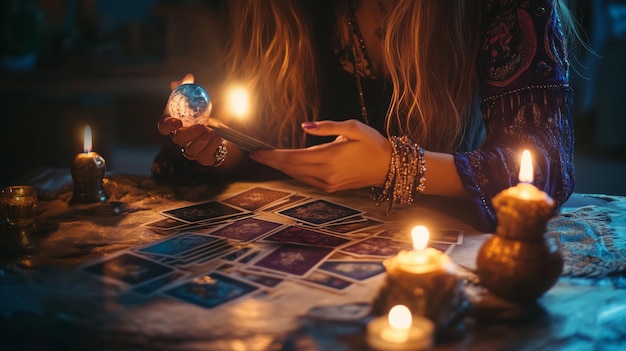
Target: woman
(398, 95)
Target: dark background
(66, 64)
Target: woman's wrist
(406, 177)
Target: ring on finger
(220, 154)
(183, 151)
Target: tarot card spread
(250, 242)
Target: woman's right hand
(197, 142)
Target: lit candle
(525, 190)
(238, 102)
(88, 172)
(400, 330)
(423, 259)
(526, 208)
(423, 279)
(519, 263)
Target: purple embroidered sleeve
(526, 104)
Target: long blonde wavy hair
(429, 52)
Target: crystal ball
(190, 103)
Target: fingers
(169, 124)
(186, 135)
(202, 149)
(319, 175)
(289, 161)
(187, 79)
(351, 129)
(315, 182)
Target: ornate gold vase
(519, 263)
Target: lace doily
(592, 238)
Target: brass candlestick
(424, 280)
(436, 294)
(519, 263)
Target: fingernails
(309, 125)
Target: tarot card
(157, 284)
(203, 255)
(449, 236)
(211, 290)
(234, 256)
(445, 248)
(319, 212)
(354, 270)
(304, 236)
(127, 268)
(246, 230)
(209, 255)
(210, 210)
(256, 198)
(266, 281)
(220, 242)
(236, 137)
(346, 228)
(257, 278)
(249, 257)
(350, 220)
(293, 199)
(297, 260)
(205, 227)
(326, 281)
(445, 236)
(376, 247)
(396, 234)
(263, 272)
(176, 245)
(217, 249)
(165, 224)
(350, 312)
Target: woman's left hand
(359, 157)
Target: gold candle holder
(519, 263)
(425, 280)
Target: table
(47, 302)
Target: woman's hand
(357, 158)
(197, 142)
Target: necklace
(353, 28)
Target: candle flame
(239, 101)
(420, 236)
(526, 168)
(87, 140)
(400, 317)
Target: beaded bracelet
(406, 178)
